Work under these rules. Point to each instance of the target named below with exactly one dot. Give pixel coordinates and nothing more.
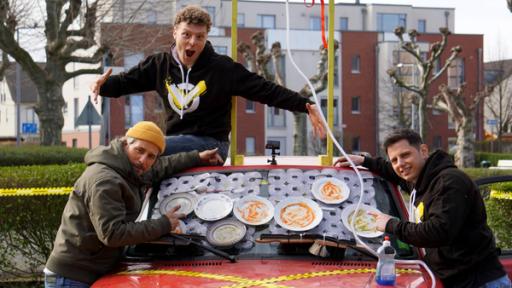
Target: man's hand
(211, 157)
(95, 86)
(343, 162)
(382, 220)
(174, 217)
(316, 120)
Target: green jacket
(98, 220)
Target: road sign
(492, 122)
(89, 115)
(29, 128)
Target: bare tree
(425, 67)
(64, 37)
(463, 115)
(499, 103)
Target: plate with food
(253, 210)
(298, 214)
(225, 233)
(187, 201)
(366, 224)
(211, 207)
(330, 190)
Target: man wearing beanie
(100, 216)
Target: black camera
(274, 145)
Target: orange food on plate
(331, 191)
(297, 215)
(253, 211)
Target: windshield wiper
(215, 251)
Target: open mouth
(189, 53)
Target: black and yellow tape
(241, 282)
(35, 191)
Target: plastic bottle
(386, 274)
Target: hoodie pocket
(90, 243)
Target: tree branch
(71, 14)
(455, 51)
(5, 64)
(69, 75)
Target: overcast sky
(488, 17)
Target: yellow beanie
(148, 131)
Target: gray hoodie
(98, 220)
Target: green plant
(499, 218)
(476, 173)
(40, 155)
(27, 231)
(40, 176)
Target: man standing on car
(100, 216)
(449, 215)
(196, 85)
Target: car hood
(256, 273)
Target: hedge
(491, 157)
(40, 155)
(40, 176)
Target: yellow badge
(419, 212)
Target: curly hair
(193, 14)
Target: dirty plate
(253, 210)
(298, 214)
(186, 200)
(226, 233)
(211, 207)
(330, 190)
(366, 224)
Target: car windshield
(274, 212)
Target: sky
(488, 17)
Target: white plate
(253, 210)
(211, 207)
(367, 220)
(225, 233)
(330, 190)
(186, 200)
(298, 214)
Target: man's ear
(424, 150)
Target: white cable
(329, 132)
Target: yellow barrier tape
(268, 282)
(495, 194)
(35, 191)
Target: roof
(28, 88)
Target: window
(422, 25)
(240, 20)
(223, 50)
(211, 11)
(437, 65)
(315, 23)
(356, 64)
(356, 102)
(336, 119)
(266, 21)
(343, 23)
(387, 22)
(356, 144)
(456, 73)
(436, 111)
(250, 146)
(250, 106)
(74, 142)
(438, 142)
(451, 124)
(276, 117)
(133, 110)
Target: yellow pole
(326, 160)
(235, 159)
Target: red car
(285, 226)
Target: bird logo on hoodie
(184, 97)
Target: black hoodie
(460, 247)
(215, 77)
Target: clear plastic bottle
(386, 274)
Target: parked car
(267, 243)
